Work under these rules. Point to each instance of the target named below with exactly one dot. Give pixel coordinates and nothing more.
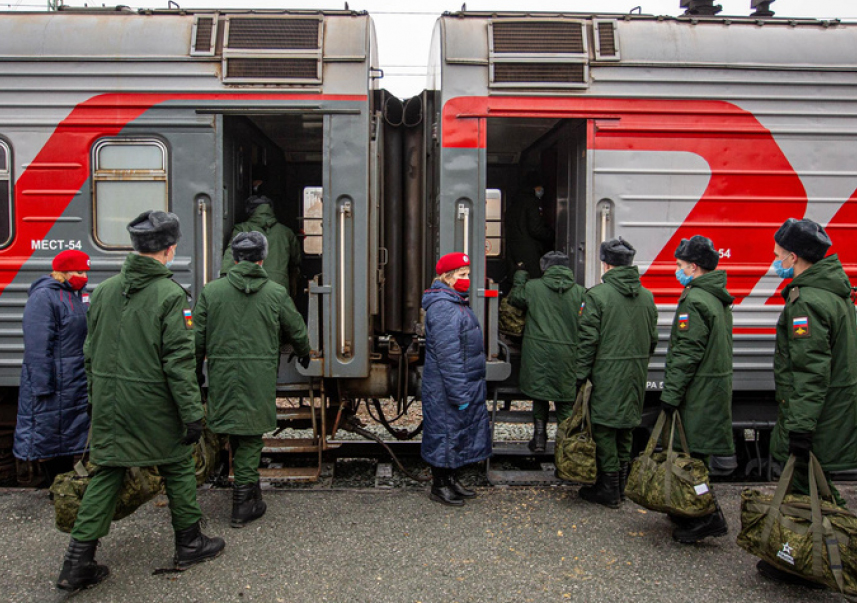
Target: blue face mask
(683, 278)
(783, 272)
(169, 264)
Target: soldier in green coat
(550, 336)
(617, 336)
(146, 406)
(698, 378)
(814, 367)
(284, 250)
(241, 322)
(528, 237)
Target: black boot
(540, 436)
(691, 531)
(79, 569)
(192, 547)
(247, 504)
(605, 491)
(624, 472)
(777, 575)
(441, 490)
(458, 488)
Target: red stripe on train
(48, 192)
(746, 165)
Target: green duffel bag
(574, 454)
(670, 481)
(141, 484)
(512, 319)
(804, 535)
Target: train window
(130, 176)
(313, 204)
(493, 222)
(5, 194)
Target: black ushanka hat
(154, 231)
(249, 247)
(804, 238)
(617, 252)
(698, 250)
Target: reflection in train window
(493, 222)
(5, 194)
(130, 176)
(313, 205)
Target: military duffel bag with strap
(574, 454)
(670, 481)
(804, 535)
(141, 484)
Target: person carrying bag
(574, 454)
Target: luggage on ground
(574, 454)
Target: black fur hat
(617, 252)
(154, 231)
(553, 258)
(698, 250)
(255, 201)
(249, 247)
(804, 238)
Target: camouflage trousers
(99, 501)
(541, 410)
(612, 447)
(246, 454)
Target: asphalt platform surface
(367, 545)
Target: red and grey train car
(653, 128)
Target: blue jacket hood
(46, 282)
(442, 292)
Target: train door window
(313, 216)
(493, 222)
(130, 176)
(5, 194)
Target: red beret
(71, 260)
(452, 261)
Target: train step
(520, 449)
(543, 477)
(291, 445)
(290, 474)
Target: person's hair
(448, 274)
(59, 276)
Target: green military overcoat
(140, 367)
(550, 334)
(241, 322)
(284, 249)
(698, 376)
(815, 366)
(616, 337)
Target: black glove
(194, 432)
(304, 361)
(668, 408)
(800, 444)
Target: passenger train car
(652, 128)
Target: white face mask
(540, 192)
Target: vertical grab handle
(344, 214)
(202, 203)
(464, 216)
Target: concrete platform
(394, 545)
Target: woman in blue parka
(52, 418)
(455, 420)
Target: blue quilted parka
(454, 375)
(52, 419)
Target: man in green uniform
(241, 322)
(550, 336)
(146, 406)
(527, 235)
(698, 378)
(617, 335)
(814, 367)
(284, 250)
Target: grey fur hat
(553, 258)
(255, 201)
(804, 238)
(617, 252)
(153, 231)
(698, 250)
(249, 247)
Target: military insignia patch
(582, 306)
(800, 327)
(682, 322)
(188, 318)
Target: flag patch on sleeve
(188, 318)
(800, 327)
(682, 322)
